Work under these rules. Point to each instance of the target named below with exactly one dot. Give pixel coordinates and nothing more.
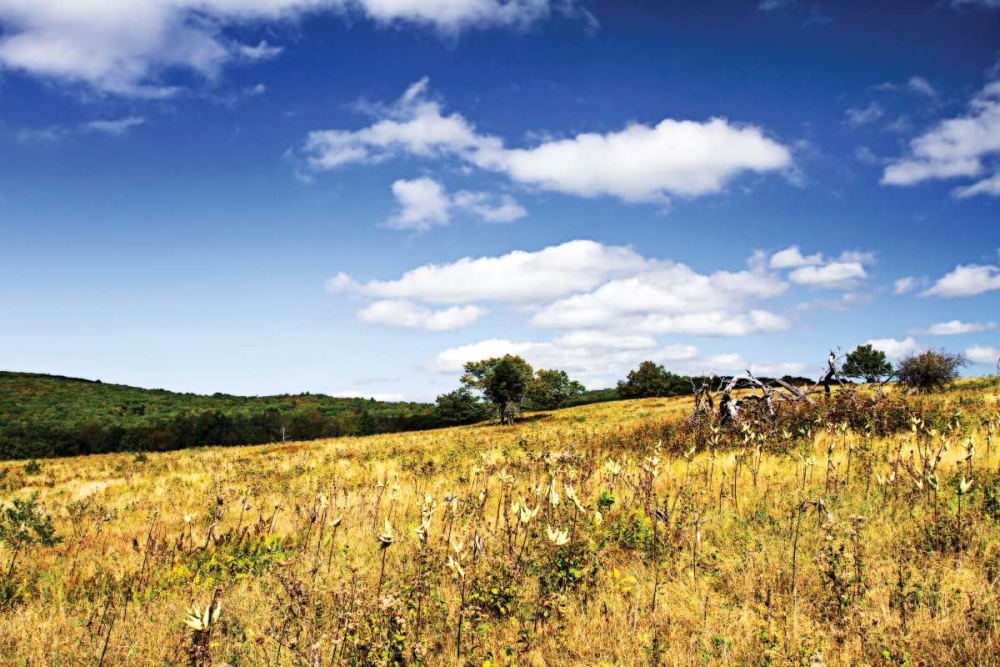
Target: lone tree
(868, 363)
(651, 379)
(503, 381)
(930, 371)
(550, 389)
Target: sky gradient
(356, 196)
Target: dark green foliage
(461, 407)
(868, 363)
(23, 524)
(651, 379)
(503, 381)
(930, 371)
(45, 415)
(551, 389)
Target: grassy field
(569, 539)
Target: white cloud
(983, 354)
(792, 257)
(640, 163)
(905, 285)
(605, 340)
(361, 393)
(921, 86)
(896, 349)
(401, 313)
(597, 366)
(954, 327)
(517, 277)
(987, 186)
(115, 127)
(605, 293)
(671, 298)
(858, 116)
(423, 204)
(125, 46)
(955, 148)
(843, 272)
(833, 275)
(966, 280)
(491, 209)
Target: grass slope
(535, 544)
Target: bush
(930, 371)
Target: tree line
(43, 416)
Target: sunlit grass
(567, 539)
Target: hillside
(773, 544)
(48, 415)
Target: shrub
(930, 371)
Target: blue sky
(356, 196)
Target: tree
(867, 362)
(460, 407)
(550, 389)
(930, 371)
(651, 379)
(503, 381)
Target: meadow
(591, 535)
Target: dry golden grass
(885, 573)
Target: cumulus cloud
(125, 46)
(596, 366)
(833, 275)
(639, 163)
(955, 148)
(424, 203)
(896, 349)
(955, 327)
(671, 298)
(842, 272)
(402, 313)
(792, 257)
(983, 354)
(966, 280)
(517, 277)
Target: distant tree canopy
(651, 379)
(868, 363)
(461, 407)
(551, 389)
(503, 382)
(46, 415)
(930, 371)
(508, 384)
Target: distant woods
(45, 415)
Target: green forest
(48, 415)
